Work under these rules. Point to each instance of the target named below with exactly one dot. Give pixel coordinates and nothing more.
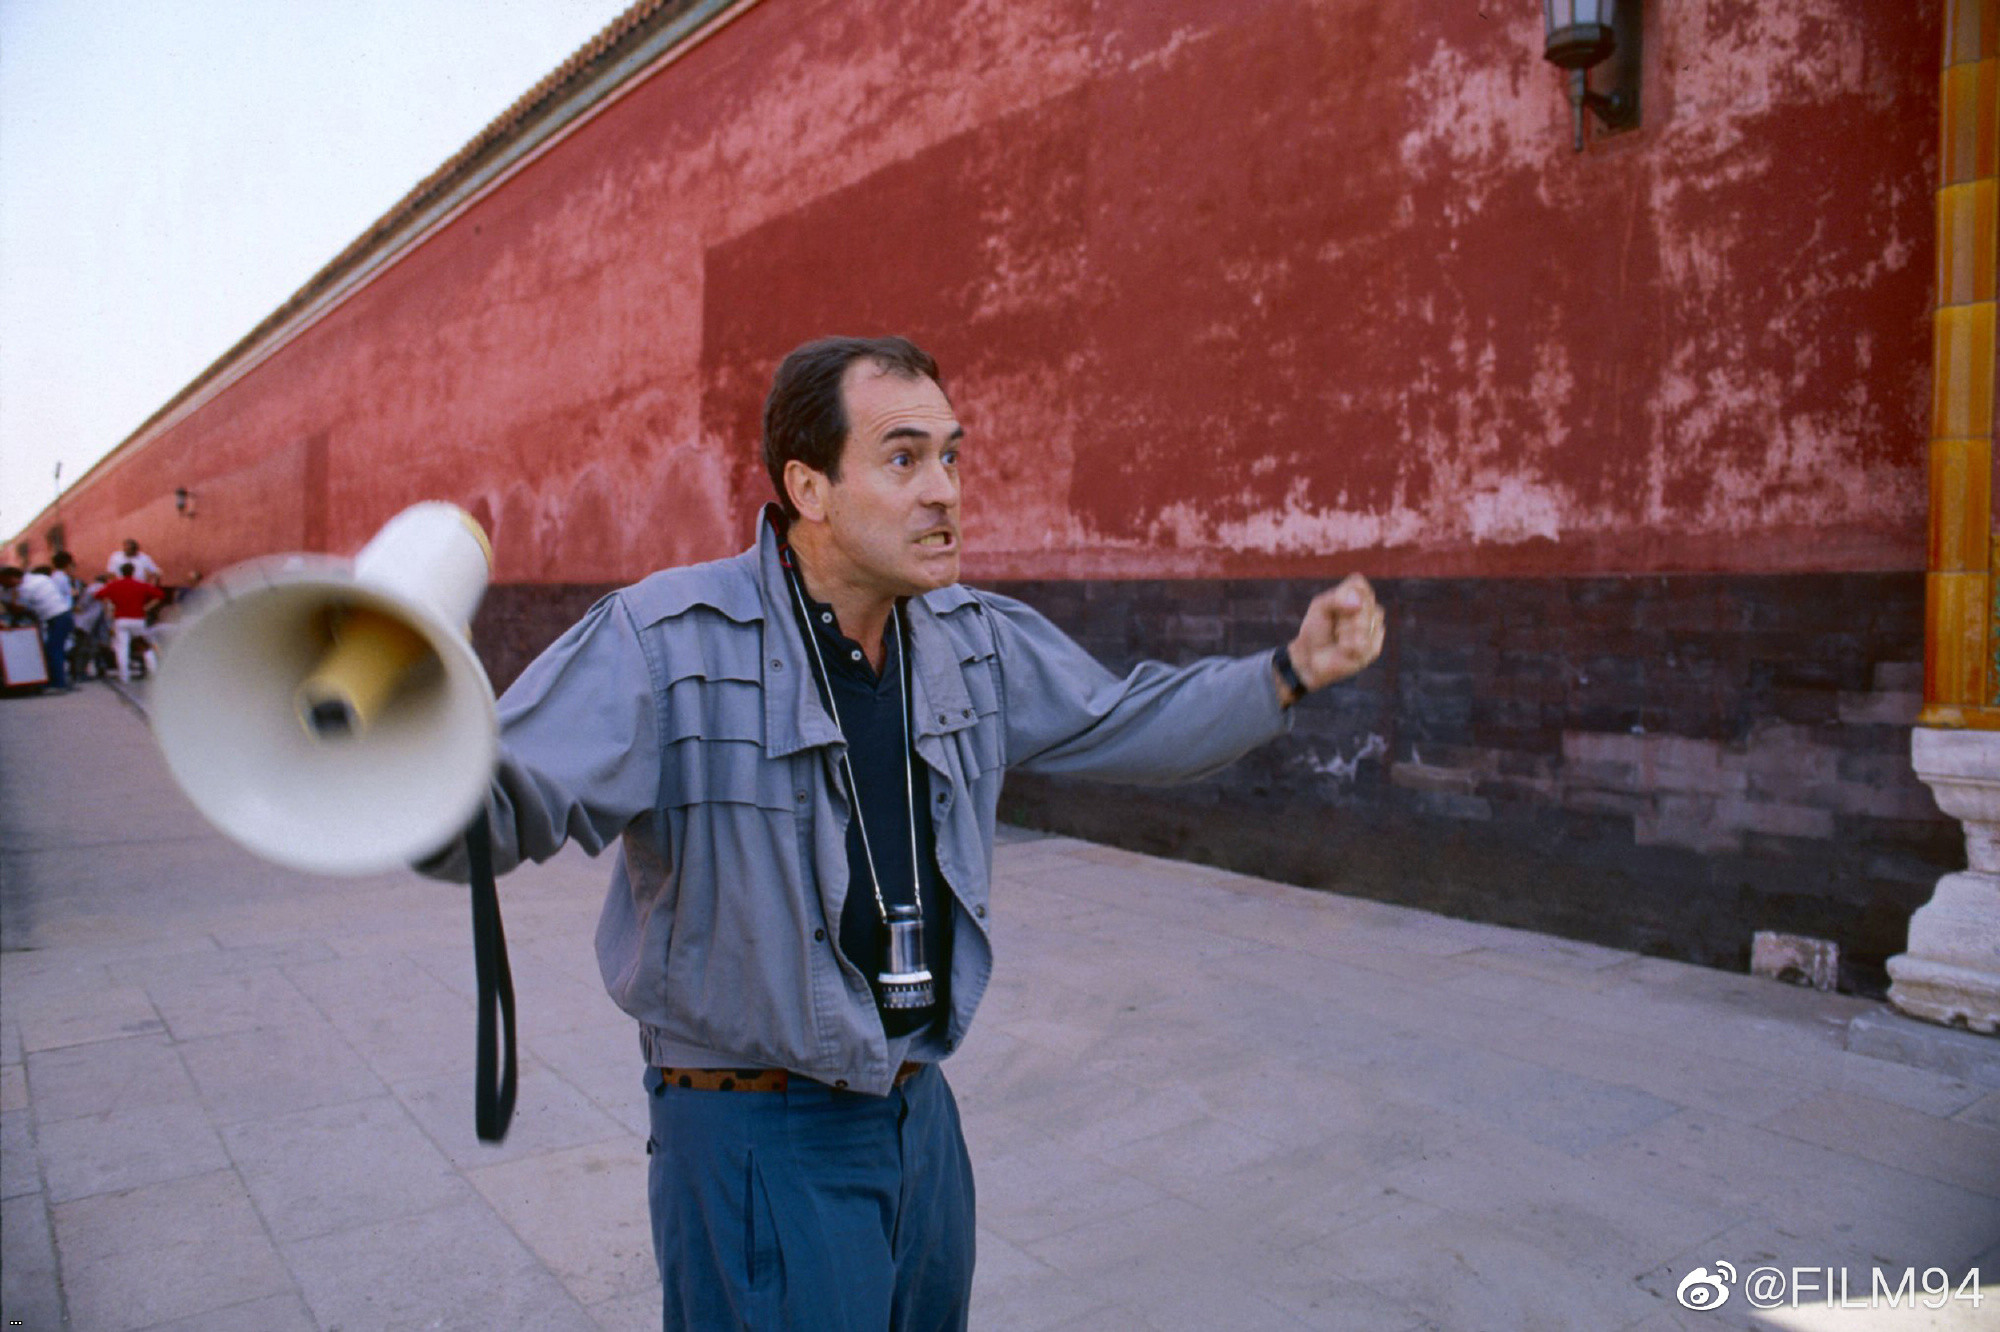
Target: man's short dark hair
(804, 418)
(10, 571)
(64, 559)
(126, 569)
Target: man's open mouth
(938, 540)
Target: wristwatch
(1281, 662)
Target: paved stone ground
(232, 1097)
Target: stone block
(166, 1251)
(101, 1015)
(1965, 1156)
(539, 1198)
(1453, 805)
(1879, 709)
(340, 1166)
(1591, 774)
(454, 1267)
(1811, 1190)
(549, 1114)
(213, 1005)
(128, 1147)
(20, 1165)
(107, 1076)
(1984, 1112)
(1967, 1056)
(30, 1295)
(1686, 821)
(1899, 676)
(1496, 1277)
(1795, 959)
(1427, 777)
(266, 1072)
(1630, 805)
(278, 1313)
(1774, 818)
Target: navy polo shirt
(871, 709)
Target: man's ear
(807, 488)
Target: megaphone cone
(332, 716)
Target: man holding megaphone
(799, 752)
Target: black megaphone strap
(493, 1097)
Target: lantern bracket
(1578, 47)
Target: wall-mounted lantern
(184, 501)
(1582, 34)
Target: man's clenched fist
(1340, 635)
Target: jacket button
(942, 719)
(840, 1082)
(777, 665)
(819, 936)
(980, 912)
(966, 713)
(799, 796)
(942, 797)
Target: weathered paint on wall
(1244, 289)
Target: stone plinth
(1951, 971)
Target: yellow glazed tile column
(1951, 970)
(1960, 679)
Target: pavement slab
(236, 1097)
(338, 1167)
(164, 1251)
(540, 1196)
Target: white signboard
(21, 657)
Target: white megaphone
(330, 715)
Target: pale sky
(172, 170)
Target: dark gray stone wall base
(1661, 763)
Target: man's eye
(951, 457)
(900, 460)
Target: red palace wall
(1235, 296)
(1257, 288)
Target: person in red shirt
(130, 600)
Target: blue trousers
(811, 1208)
(55, 647)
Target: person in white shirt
(144, 567)
(47, 599)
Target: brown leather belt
(756, 1079)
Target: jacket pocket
(981, 747)
(700, 771)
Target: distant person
(93, 632)
(143, 564)
(47, 599)
(131, 599)
(65, 573)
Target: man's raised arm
(1066, 715)
(579, 748)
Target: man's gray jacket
(679, 718)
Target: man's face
(131, 548)
(893, 515)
